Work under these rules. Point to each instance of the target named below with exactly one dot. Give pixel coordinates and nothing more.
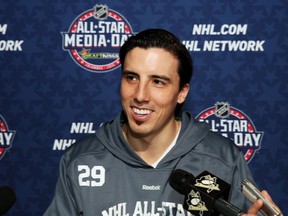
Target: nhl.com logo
(95, 37)
(6, 137)
(235, 124)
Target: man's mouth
(141, 111)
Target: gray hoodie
(100, 175)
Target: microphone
(7, 199)
(205, 195)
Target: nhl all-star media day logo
(6, 137)
(94, 38)
(235, 124)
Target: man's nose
(142, 93)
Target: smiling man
(149, 98)
(124, 168)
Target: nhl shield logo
(233, 123)
(101, 12)
(222, 109)
(94, 38)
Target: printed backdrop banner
(60, 76)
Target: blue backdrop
(60, 75)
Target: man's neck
(151, 148)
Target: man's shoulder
(220, 146)
(90, 144)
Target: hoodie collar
(112, 138)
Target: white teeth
(141, 111)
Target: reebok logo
(151, 187)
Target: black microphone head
(7, 199)
(179, 180)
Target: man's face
(150, 90)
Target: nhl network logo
(235, 124)
(94, 38)
(6, 137)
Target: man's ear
(183, 93)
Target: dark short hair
(160, 38)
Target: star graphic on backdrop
(273, 92)
(151, 18)
(269, 6)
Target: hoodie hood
(191, 134)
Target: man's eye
(159, 82)
(130, 77)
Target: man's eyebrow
(163, 77)
(128, 72)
